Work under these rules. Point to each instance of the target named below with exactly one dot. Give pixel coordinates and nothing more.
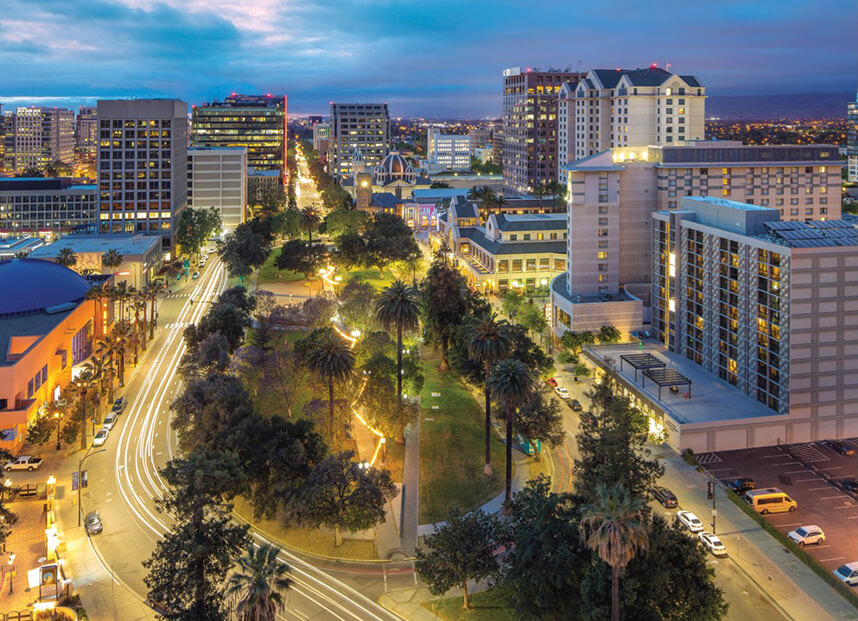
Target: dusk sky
(438, 58)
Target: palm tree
(398, 307)
(80, 388)
(111, 258)
(258, 583)
(105, 350)
(612, 527)
(510, 383)
(67, 257)
(120, 293)
(488, 341)
(310, 221)
(121, 336)
(96, 368)
(331, 357)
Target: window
(516, 265)
(559, 265)
(503, 266)
(513, 237)
(526, 237)
(602, 255)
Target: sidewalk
(406, 603)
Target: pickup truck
(25, 462)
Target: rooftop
(496, 247)
(558, 286)
(31, 286)
(530, 222)
(123, 244)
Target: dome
(394, 164)
(31, 286)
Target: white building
(358, 128)
(852, 141)
(217, 178)
(43, 136)
(321, 136)
(448, 151)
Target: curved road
(125, 480)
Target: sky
(436, 58)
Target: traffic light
(711, 490)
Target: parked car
(712, 543)
(740, 486)
(119, 405)
(562, 393)
(848, 572)
(24, 462)
(806, 535)
(575, 405)
(841, 448)
(850, 485)
(93, 523)
(666, 498)
(109, 421)
(195, 275)
(100, 437)
(551, 382)
(690, 521)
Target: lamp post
(11, 571)
(57, 418)
(80, 483)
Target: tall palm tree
(80, 388)
(121, 336)
(612, 527)
(105, 350)
(488, 341)
(510, 383)
(96, 368)
(398, 307)
(332, 358)
(258, 583)
(310, 221)
(111, 258)
(67, 257)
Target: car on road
(666, 498)
(848, 572)
(119, 405)
(807, 535)
(109, 421)
(24, 462)
(690, 521)
(850, 485)
(551, 382)
(740, 486)
(562, 393)
(100, 437)
(841, 448)
(712, 543)
(93, 522)
(575, 405)
(195, 275)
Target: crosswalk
(180, 294)
(808, 453)
(179, 324)
(708, 458)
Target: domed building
(392, 181)
(48, 326)
(394, 168)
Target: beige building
(43, 136)
(217, 177)
(358, 130)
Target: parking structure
(810, 473)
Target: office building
(321, 136)
(530, 99)
(448, 151)
(852, 141)
(218, 178)
(142, 166)
(629, 108)
(497, 142)
(358, 128)
(47, 207)
(7, 141)
(42, 136)
(613, 194)
(86, 134)
(255, 122)
(481, 138)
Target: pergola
(641, 362)
(667, 377)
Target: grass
(452, 446)
(269, 272)
(485, 606)
(377, 279)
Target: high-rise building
(852, 141)
(497, 142)
(86, 134)
(218, 178)
(363, 128)
(448, 151)
(142, 166)
(42, 136)
(481, 138)
(47, 206)
(255, 122)
(628, 108)
(321, 136)
(530, 100)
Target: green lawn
(452, 446)
(485, 606)
(269, 272)
(377, 279)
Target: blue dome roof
(31, 286)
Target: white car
(848, 573)
(712, 543)
(562, 392)
(690, 521)
(109, 421)
(805, 535)
(100, 437)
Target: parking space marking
(771, 456)
(845, 507)
(816, 489)
(836, 558)
(802, 471)
(811, 479)
(833, 497)
(708, 458)
(809, 452)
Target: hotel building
(42, 136)
(86, 134)
(358, 128)
(217, 177)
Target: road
(124, 479)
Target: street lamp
(57, 418)
(11, 570)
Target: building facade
(47, 207)
(358, 128)
(42, 136)
(255, 122)
(852, 141)
(448, 151)
(217, 177)
(86, 134)
(530, 99)
(142, 166)
(321, 136)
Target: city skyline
(417, 60)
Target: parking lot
(809, 473)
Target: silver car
(93, 522)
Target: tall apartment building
(142, 166)
(766, 305)
(218, 178)
(86, 134)
(612, 196)
(321, 136)
(628, 108)
(530, 99)
(852, 141)
(255, 122)
(42, 136)
(47, 206)
(358, 127)
(448, 151)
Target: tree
(66, 257)
(310, 221)
(301, 257)
(446, 297)
(461, 550)
(331, 358)
(539, 419)
(188, 567)
(612, 527)
(247, 247)
(258, 583)
(438, 185)
(269, 197)
(80, 388)
(608, 335)
(511, 384)
(39, 429)
(344, 221)
(111, 259)
(195, 226)
(387, 238)
(346, 495)
(351, 251)
(398, 307)
(357, 304)
(575, 341)
(487, 341)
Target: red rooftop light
(653, 66)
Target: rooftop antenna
(667, 66)
(580, 62)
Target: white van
(770, 500)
